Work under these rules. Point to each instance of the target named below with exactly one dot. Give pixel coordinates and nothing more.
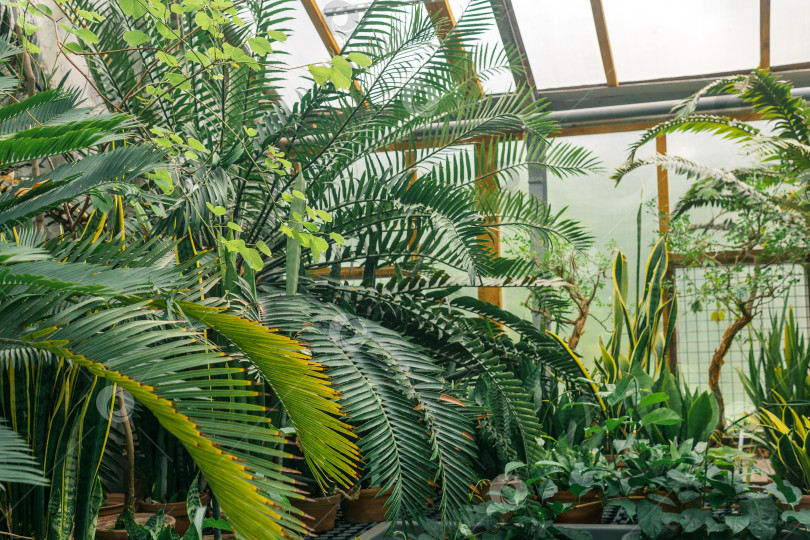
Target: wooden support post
(765, 34)
(663, 228)
(486, 162)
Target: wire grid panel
(699, 336)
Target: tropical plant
(240, 161)
(786, 435)
(569, 306)
(760, 211)
(640, 338)
(777, 375)
(19, 466)
(79, 314)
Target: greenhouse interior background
(414, 269)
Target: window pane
(560, 41)
(304, 47)
(790, 40)
(653, 39)
(609, 213)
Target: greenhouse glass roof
(584, 54)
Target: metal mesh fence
(699, 336)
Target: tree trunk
(718, 360)
(129, 473)
(579, 327)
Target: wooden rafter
(604, 42)
(321, 26)
(765, 34)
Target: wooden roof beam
(604, 42)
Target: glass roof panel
(653, 39)
(790, 40)
(560, 41)
(304, 47)
(342, 17)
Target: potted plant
(366, 505)
(571, 481)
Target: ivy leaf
(263, 248)
(202, 19)
(360, 59)
(324, 215)
(260, 45)
(86, 35)
(217, 210)
(135, 37)
(321, 74)
(72, 47)
(341, 73)
(764, 516)
(167, 59)
(194, 144)
(736, 523)
(650, 518)
(132, 8)
(277, 35)
(163, 180)
(253, 258)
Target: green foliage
(639, 339)
(19, 466)
(777, 375)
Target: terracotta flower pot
(112, 505)
(586, 509)
(319, 513)
(105, 531)
(177, 510)
(367, 508)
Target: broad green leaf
(360, 59)
(260, 45)
(321, 74)
(194, 144)
(133, 8)
(135, 37)
(652, 399)
(650, 518)
(277, 35)
(234, 226)
(86, 35)
(263, 248)
(660, 417)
